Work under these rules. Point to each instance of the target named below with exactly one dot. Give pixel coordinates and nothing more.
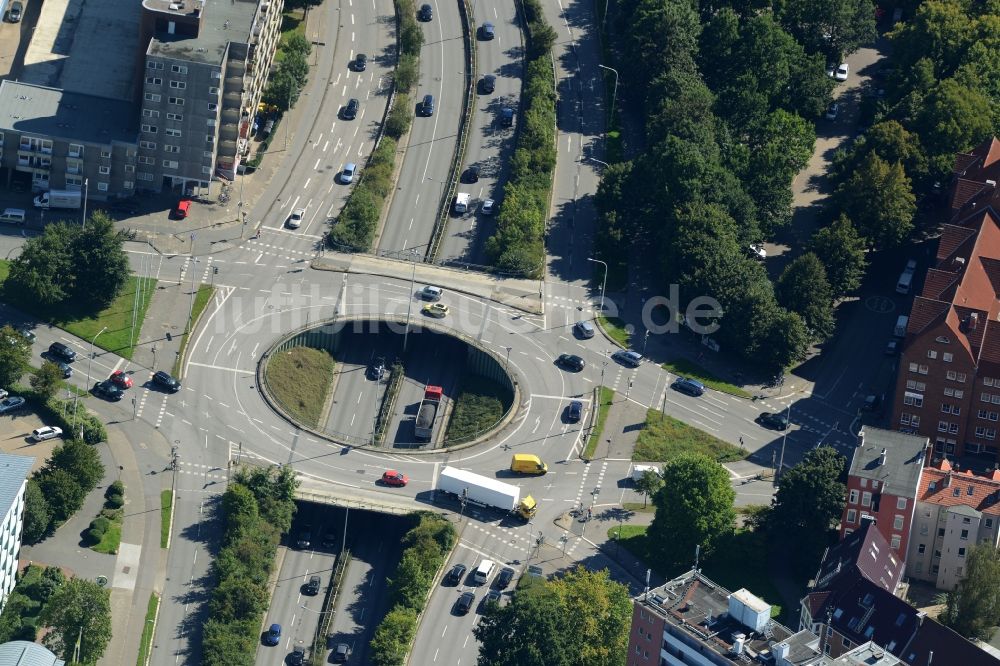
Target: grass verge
(111, 539)
(146, 640)
(299, 378)
(607, 397)
(292, 23)
(201, 300)
(615, 328)
(117, 317)
(477, 408)
(638, 507)
(166, 507)
(690, 369)
(663, 438)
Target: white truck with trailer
(484, 491)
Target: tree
(37, 515)
(529, 631)
(225, 644)
(693, 508)
(780, 146)
(63, 493)
(409, 585)
(236, 599)
(101, 267)
(842, 252)
(598, 609)
(803, 288)
(973, 607)
(46, 379)
(15, 352)
(391, 641)
(80, 610)
(831, 27)
(649, 484)
(955, 117)
(80, 460)
(44, 271)
(879, 199)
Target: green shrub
(407, 72)
(355, 227)
(116, 488)
(400, 116)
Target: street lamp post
(409, 304)
(86, 189)
(614, 94)
(507, 363)
(90, 360)
(604, 282)
(784, 436)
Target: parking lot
(14, 431)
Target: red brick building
(949, 378)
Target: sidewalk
(621, 429)
(167, 315)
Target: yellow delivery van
(526, 463)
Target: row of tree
(257, 507)
(286, 84)
(427, 546)
(355, 227)
(517, 246)
(57, 490)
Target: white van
(905, 282)
(462, 203)
(12, 216)
(484, 571)
(900, 330)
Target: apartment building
(948, 387)
(14, 472)
(883, 483)
(23, 653)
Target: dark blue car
(273, 635)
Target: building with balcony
(14, 472)
(23, 653)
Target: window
(206, 170)
(874, 484)
(854, 497)
(207, 153)
(167, 148)
(178, 69)
(150, 97)
(74, 181)
(964, 534)
(931, 353)
(105, 153)
(987, 381)
(946, 357)
(942, 426)
(935, 569)
(991, 433)
(895, 541)
(914, 385)
(919, 568)
(966, 521)
(149, 145)
(956, 492)
(971, 491)
(913, 367)
(172, 132)
(921, 548)
(961, 552)
(103, 187)
(213, 91)
(153, 81)
(952, 428)
(151, 129)
(995, 399)
(154, 65)
(169, 164)
(866, 499)
(952, 375)
(914, 399)
(216, 74)
(961, 378)
(212, 106)
(146, 160)
(178, 85)
(210, 138)
(174, 116)
(210, 122)
(923, 529)
(982, 413)
(145, 176)
(864, 483)
(959, 394)
(852, 516)
(179, 101)
(104, 170)
(923, 369)
(946, 408)
(985, 397)
(900, 502)
(150, 113)
(897, 522)
(989, 523)
(940, 531)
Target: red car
(181, 211)
(121, 379)
(394, 478)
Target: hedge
(517, 246)
(356, 224)
(427, 548)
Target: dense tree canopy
(78, 612)
(879, 199)
(842, 252)
(804, 288)
(15, 352)
(973, 607)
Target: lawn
(292, 22)
(615, 328)
(607, 397)
(690, 369)
(480, 405)
(119, 337)
(201, 300)
(663, 438)
(300, 378)
(639, 507)
(111, 540)
(146, 641)
(166, 506)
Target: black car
(486, 31)
(360, 62)
(455, 576)
(464, 603)
(108, 389)
(503, 579)
(506, 117)
(488, 84)
(774, 421)
(425, 13)
(62, 351)
(67, 369)
(575, 411)
(690, 386)
(471, 175)
(297, 657)
(427, 106)
(351, 110)
(341, 653)
(312, 587)
(492, 598)
(160, 378)
(305, 537)
(571, 361)
(376, 369)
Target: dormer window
(943, 339)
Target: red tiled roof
(964, 191)
(816, 600)
(924, 312)
(952, 238)
(985, 495)
(937, 282)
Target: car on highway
(395, 479)
(294, 220)
(455, 574)
(503, 579)
(347, 175)
(360, 62)
(486, 31)
(628, 358)
(583, 329)
(59, 350)
(574, 412)
(571, 362)
(471, 175)
(341, 653)
(489, 207)
(297, 656)
(305, 537)
(436, 310)
(376, 369)
(773, 420)
(690, 386)
(312, 587)
(430, 293)
(842, 72)
(11, 404)
(350, 112)
(67, 369)
(426, 13)
(464, 603)
(487, 84)
(45, 432)
(329, 538)
(109, 390)
(427, 106)
(161, 378)
(832, 111)
(273, 635)
(121, 379)
(15, 12)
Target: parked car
(628, 358)
(574, 412)
(503, 579)
(584, 329)
(455, 574)
(312, 587)
(842, 72)
(27, 333)
(109, 390)
(486, 31)
(471, 175)
(488, 208)
(492, 598)
(350, 111)
(347, 175)
(891, 348)
(488, 84)
(832, 111)
(60, 350)
(464, 603)
(161, 378)
(181, 209)
(121, 379)
(690, 386)
(426, 13)
(360, 62)
(45, 432)
(430, 293)
(15, 12)
(341, 653)
(571, 361)
(772, 420)
(273, 635)
(11, 404)
(395, 479)
(294, 220)
(436, 310)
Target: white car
(842, 72)
(757, 251)
(347, 175)
(488, 208)
(45, 432)
(295, 219)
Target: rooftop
(899, 472)
(13, 471)
(866, 551)
(868, 654)
(203, 28)
(23, 653)
(57, 113)
(946, 486)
